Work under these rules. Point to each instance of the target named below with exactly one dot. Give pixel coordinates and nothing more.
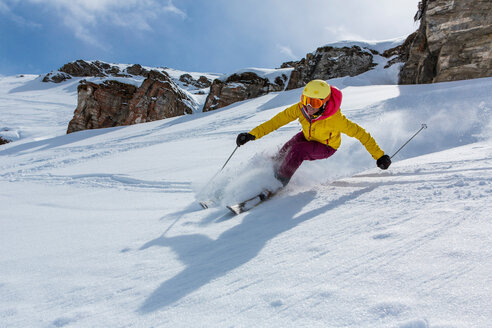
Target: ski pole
(220, 169)
(424, 126)
(228, 160)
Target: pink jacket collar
(333, 103)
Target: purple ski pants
(297, 150)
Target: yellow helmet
(316, 93)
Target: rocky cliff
(453, 42)
(82, 68)
(113, 103)
(325, 63)
(244, 85)
(329, 62)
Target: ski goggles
(313, 102)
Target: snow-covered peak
(379, 46)
(264, 73)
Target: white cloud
(286, 51)
(84, 17)
(302, 26)
(5, 10)
(81, 33)
(170, 7)
(342, 33)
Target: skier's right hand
(243, 138)
(384, 162)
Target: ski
(208, 203)
(252, 202)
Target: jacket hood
(333, 103)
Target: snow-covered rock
(113, 103)
(245, 84)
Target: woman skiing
(322, 124)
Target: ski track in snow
(101, 228)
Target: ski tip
(207, 203)
(236, 209)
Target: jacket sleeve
(286, 116)
(354, 130)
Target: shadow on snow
(207, 259)
(59, 141)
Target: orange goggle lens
(314, 102)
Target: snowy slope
(101, 228)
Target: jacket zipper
(328, 140)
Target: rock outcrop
(330, 62)
(137, 70)
(453, 42)
(201, 83)
(82, 68)
(56, 77)
(325, 63)
(3, 141)
(113, 103)
(239, 87)
(399, 54)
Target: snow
(101, 228)
(176, 74)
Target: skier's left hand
(384, 162)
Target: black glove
(384, 162)
(243, 138)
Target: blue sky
(38, 36)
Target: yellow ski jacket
(326, 128)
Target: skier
(322, 122)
